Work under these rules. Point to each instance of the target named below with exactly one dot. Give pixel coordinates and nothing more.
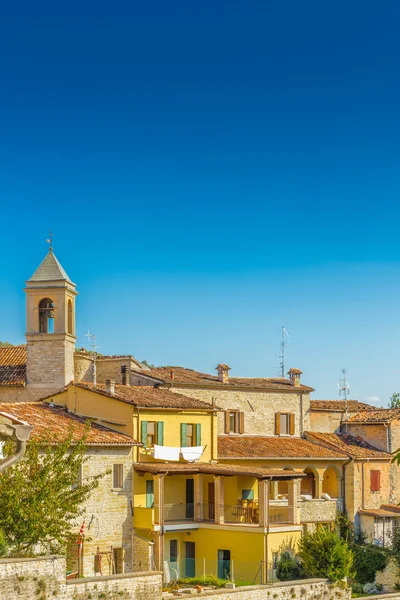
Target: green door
(190, 559)
(224, 564)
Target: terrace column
(198, 497)
(159, 499)
(159, 520)
(274, 489)
(219, 500)
(318, 484)
(293, 497)
(263, 502)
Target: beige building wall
(24, 394)
(259, 407)
(83, 367)
(374, 434)
(325, 421)
(358, 486)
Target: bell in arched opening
(46, 316)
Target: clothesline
(191, 453)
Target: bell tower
(50, 325)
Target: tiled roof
(339, 405)
(13, 365)
(354, 447)
(216, 469)
(386, 510)
(146, 396)
(382, 415)
(50, 270)
(177, 375)
(252, 446)
(55, 423)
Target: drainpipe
(301, 415)
(17, 433)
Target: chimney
(172, 374)
(294, 376)
(123, 373)
(110, 386)
(223, 373)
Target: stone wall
(389, 576)
(110, 368)
(107, 513)
(325, 421)
(83, 367)
(143, 556)
(376, 435)
(50, 360)
(307, 589)
(43, 578)
(314, 511)
(24, 393)
(259, 407)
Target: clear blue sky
(209, 169)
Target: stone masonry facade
(50, 361)
(259, 407)
(44, 578)
(107, 513)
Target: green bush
(288, 568)
(368, 560)
(324, 554)
(3, 544)
(209, 580)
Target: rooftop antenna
(283, 344)
(344, 392)
(92, 344)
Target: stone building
(107, 516)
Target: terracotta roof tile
(382, 415)
(13, 365)
(386, 510)
(352, 446)
(247, 446)
(56, 423)
(216, 469)
(146, 396)
(189, 376)
(339, 405)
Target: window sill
(117, 489)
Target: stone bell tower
(50, 325)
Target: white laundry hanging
(192, 453)
(166, 452)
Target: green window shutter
(198, 434)
(143, 432)
(160, 433)
(183, 435)
(149, 493)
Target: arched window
(70, 318)
(307, 485)
(46, 316)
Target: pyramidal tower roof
(50, 270)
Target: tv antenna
(344, 392)
(283, 344)
(92, 344)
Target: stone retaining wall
(307, 589)
(43, 578)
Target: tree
(144, 362)
(5, 344)
(394, 401)
(324, 554)
(288, 568)
(40, 496)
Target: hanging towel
(192, 453)
(166, 452)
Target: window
(284, 424)
(190, 434)
(173, 551)
(375, 480)
(46, 316)
(234, 421)
(70, 318)
(152, 432)
(118, 476)
(149, 493)
(79, 478)
(247, 494)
